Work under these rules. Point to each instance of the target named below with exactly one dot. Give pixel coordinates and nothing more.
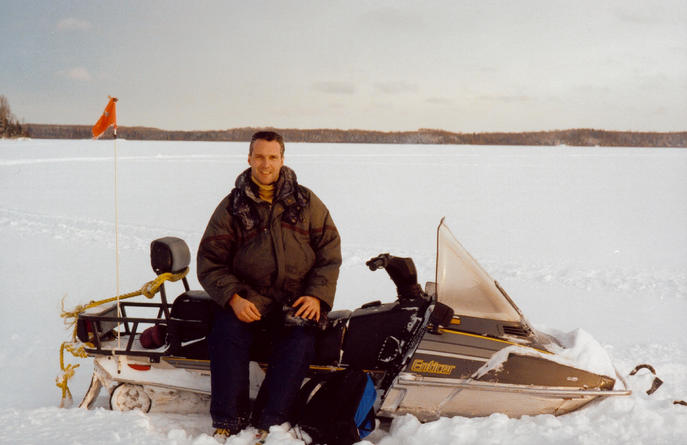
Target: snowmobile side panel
(430, 398)
(429, 363)
(530, 370)
(472, 345)
(161, 375)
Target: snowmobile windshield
(463, 285)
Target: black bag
(336, 408)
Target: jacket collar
(288, 202)
(284, 189)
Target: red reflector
(139, 367)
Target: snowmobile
(458, 347)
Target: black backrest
(169, 254)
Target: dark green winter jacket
(268, 253)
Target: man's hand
(309, 307)
(245, 311)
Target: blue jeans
(230, 343)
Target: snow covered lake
(590, 238)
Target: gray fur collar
(245, 197)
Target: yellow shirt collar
(266, 192)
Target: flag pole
(116, 213)
(109, 118)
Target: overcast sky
(386, 65)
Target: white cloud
(76, 73)
(439, 101)
(335, 87)
(505, 98)
(396, 87)
(73, 24)
(395, 18)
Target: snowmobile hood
(465, 286)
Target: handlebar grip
(378, 262)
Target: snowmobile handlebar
(402, 272)
(378, 262)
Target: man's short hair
(267, 136)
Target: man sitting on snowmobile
(270, 245)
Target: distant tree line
(9, 125)
(574, 137)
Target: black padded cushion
(377, 332)
(169, 254)
(190, 323)
(328, 342)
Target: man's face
(265, 161)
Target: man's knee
(300, 338)
(229, 330)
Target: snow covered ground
(590, 238)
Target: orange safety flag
(108, 118)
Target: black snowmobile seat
(169, 254)
(190, 323)
(191, 320)
(335, 316)
(376, 334)
(329, 342)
